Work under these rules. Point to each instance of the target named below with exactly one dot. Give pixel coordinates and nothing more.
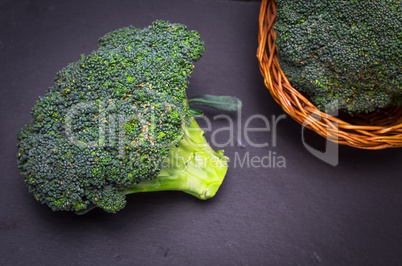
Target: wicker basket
(377, 130)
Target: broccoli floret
(117, 121)
(349, 51)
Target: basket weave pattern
(378, 130)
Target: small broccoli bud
(192, 167)
(111, 200)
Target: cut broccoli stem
(192, 167)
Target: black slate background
(309, 213)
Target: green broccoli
(117, 122)
(346, 51)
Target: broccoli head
(346, 51)
(117, 117)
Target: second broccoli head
(343, 51)
(112, 118)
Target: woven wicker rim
(378, 130)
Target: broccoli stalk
(192, 167)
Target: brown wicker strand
(377, 130)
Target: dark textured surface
(305, 214)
